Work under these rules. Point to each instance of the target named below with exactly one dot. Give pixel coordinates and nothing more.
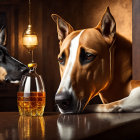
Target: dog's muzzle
(15, 77)
(67, 103)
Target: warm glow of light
(30, 40)
(31, 127)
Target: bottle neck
(32, 67)
(32, 70)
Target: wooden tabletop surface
(53, 126)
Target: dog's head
(84, 61)
(11, 69)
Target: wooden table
(84, 126)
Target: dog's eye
(61, 59)
(89, 56)
(86, 57)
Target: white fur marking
(66, 79)
(132, 102)
(14, 82)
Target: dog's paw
(118, 109)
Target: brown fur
(3, 73)
(122, 72)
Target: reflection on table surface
(73, 126)
(31, 127)
(55, 126)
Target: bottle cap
(32, 65)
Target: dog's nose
(64, 100)
(24, 69)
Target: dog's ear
(3, 36)
(63, 27)
(107, 26)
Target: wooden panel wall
(136, 39)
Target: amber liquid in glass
(31, 104)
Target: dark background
(79, 13)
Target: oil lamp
(30, 40)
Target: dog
(95, 61)
(11, 70)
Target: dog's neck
(121, 71)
